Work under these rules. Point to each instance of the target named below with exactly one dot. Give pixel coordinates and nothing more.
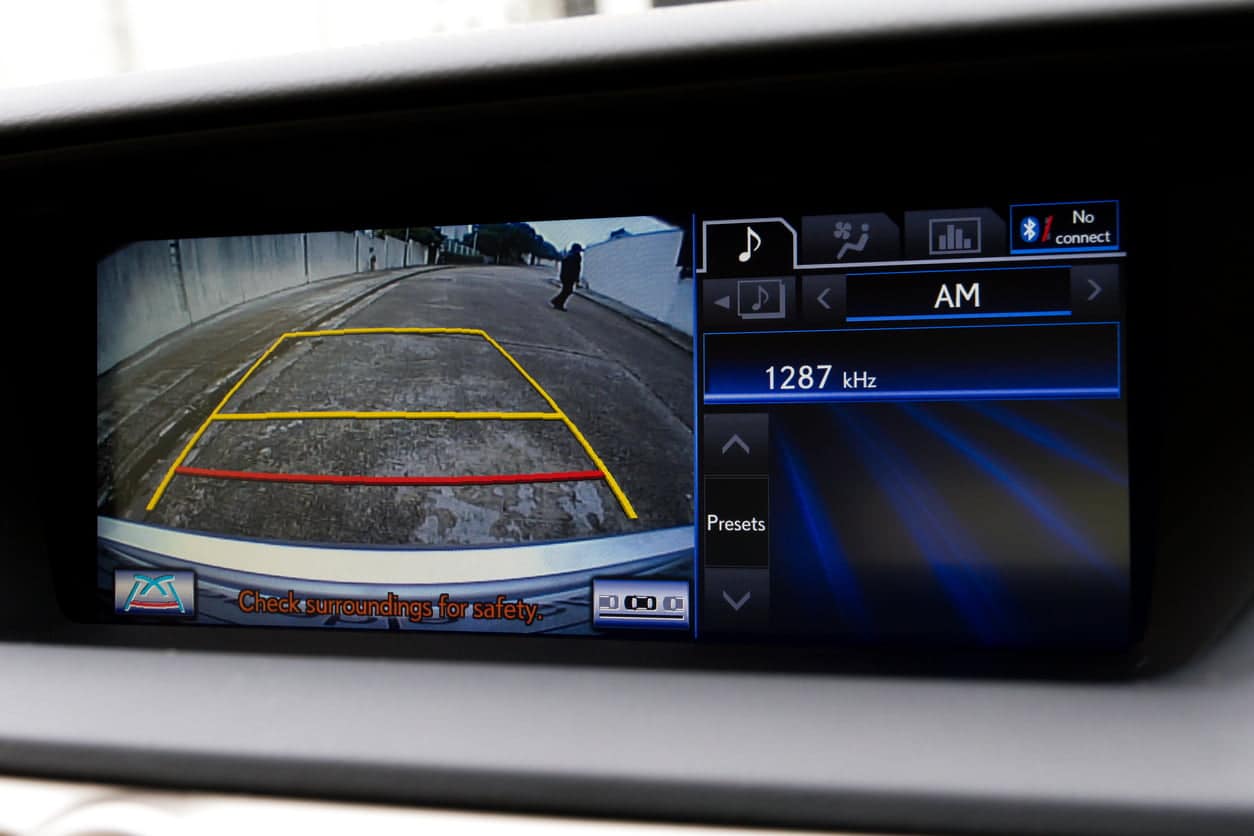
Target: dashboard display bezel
(1170, 628)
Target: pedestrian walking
(572, 266)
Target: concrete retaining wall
(368, 247)
(221, 272)
(416, 254)
(642, 272)
(139, 299)
(147, 290)
(395, 253)
(331, 254)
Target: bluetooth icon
(1029, 229)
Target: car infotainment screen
(889, 425)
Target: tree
(505, 243)
(426, 235)
(422, 234)
(544, 249)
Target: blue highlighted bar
(919, 395)
(937, 362)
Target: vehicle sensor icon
(640, 604)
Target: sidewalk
(672, 335)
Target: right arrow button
(1095, 291)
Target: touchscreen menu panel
(887, 425)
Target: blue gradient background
(990, 523)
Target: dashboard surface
(704, 113)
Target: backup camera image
(454, 427)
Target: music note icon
(761, 299)
(753, 242)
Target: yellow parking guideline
(335, 332)
(556, 415)
(455, 416)
(570, 425)
(169, 474)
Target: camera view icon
(156, 592)
(760, 299)
(640, 603)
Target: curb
(672, 335)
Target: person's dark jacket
(571, 267)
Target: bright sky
(562, 234)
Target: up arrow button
(735, 443)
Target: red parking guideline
(330, 479)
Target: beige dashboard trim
(31, 807)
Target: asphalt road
(626, 388)
(149, 405)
